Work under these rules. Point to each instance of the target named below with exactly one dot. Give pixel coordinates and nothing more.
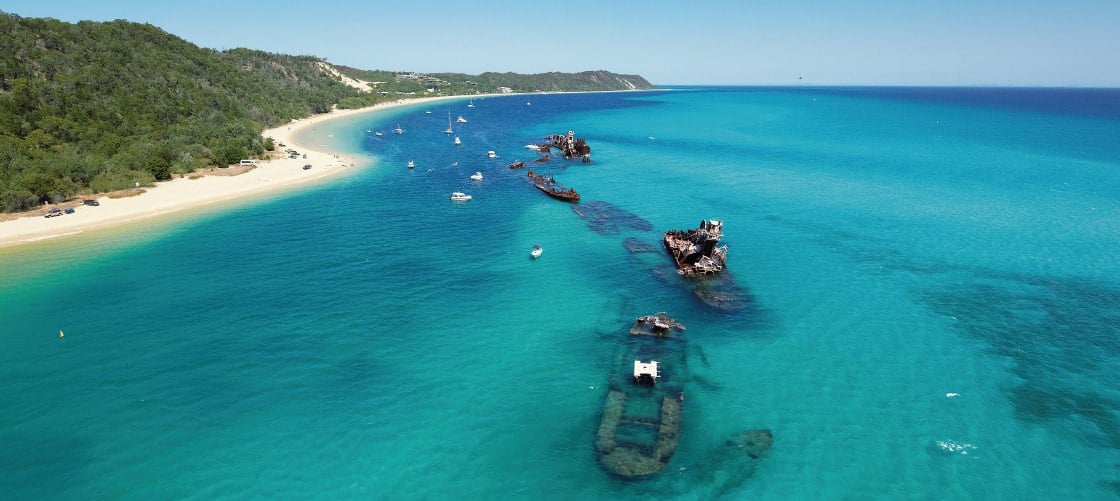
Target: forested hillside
(492, 83)
(100, 106)
(91, 107)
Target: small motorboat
(461, 120)
(378, 133)
(459, 196)
(411, 164)
(491, 154)
(457, 141)
(477, 176)
(536, 252)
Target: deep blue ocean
(931, 280)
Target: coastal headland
(181, 194)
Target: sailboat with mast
(450, 130)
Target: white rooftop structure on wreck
(646, 372)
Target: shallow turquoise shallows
(931, 276)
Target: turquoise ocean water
(369, 339)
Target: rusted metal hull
(551, 188)
(567, 195)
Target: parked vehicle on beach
(91, 202)
(54, 211)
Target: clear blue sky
(941, 42)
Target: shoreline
(271, 175)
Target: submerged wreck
(697, 252)
(553, 189)
(569, 145)
(641, 419)
(606, 219)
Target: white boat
(368, 131)
(457, 141)
(411, 164)
(449, 130)
(536, 252)
(378, 133)
(428, 112)
(471, 105)
(532, 147)
(491, 154)
(477, 176)
(399, 130)
(461, 120)
(459, 196)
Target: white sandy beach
(180, 194)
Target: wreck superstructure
(569, 145)
(697, 252)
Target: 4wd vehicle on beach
(54, 211)
(90, 201)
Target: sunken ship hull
(640, 425)
(720, 292)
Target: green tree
(14, 200)
(43, 186)
(159, 167)
(231, 153)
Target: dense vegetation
(492, 83)
(95, 107)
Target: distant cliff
(566, 82)
(99, 106)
